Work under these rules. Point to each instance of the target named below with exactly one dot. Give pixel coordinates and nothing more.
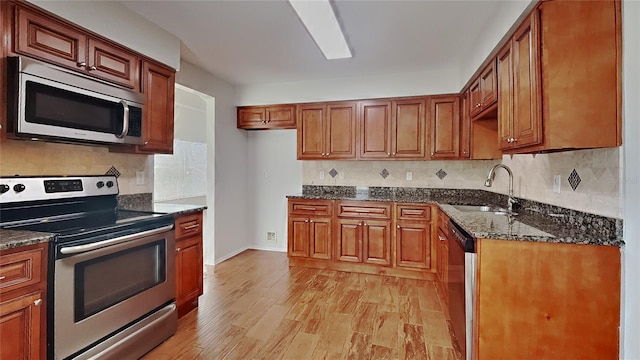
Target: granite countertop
(535, 221)
(10, 239)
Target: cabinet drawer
(360, 209)
(20, 269)
(188, 225)
(310, 207)
(413, 212)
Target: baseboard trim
(266, 248)
(230, 255)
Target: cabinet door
(251, 117)
(476, 98)
(320, 238)
(488, 84)
(188, 269)
(445, 127)
(349, 240)
(505, 96)
(281, 117)
(341, 131)
(159, 88)
(49, 40)
(298, 237)
(527, 120)
(375, 129)
(113, 64)
(311, 133)
(20, 327)
(376, 240)
(409, 130)
(413, 245)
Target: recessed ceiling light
(321, 23)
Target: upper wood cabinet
(267, 117)
(159, 89)
(50, 40)
(445, 127)
(519, 111)
(483, 91)
(393, 129)
(327, 131)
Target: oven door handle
(110, 242)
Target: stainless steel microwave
(54, 103)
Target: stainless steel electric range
(111, 272)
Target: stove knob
(109, 184)
(100, 184)
(4, 188)
(18, 188)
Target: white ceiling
(251, 42)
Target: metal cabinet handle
(92, 68)
(306, 220)
(178, 249)
(82, 64)
(308, 208)
(37, 302)
(398, 226)
(388, 154)
(2, 277)
(311, 221)
(194, 226)
(442, 238)
(393, 154)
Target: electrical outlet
(139, 177)
(556, 184)
(409, 175)
(271, 236)
(321, 175)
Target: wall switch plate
(321, 175)
(271, 236)
(556, 184)
(409, 175)
(266, 175)
(139, 177)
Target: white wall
(232, 227)
(118, 23)
(274, 173)
(365, 87)
(631, 183)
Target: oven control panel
(18, 188)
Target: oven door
(100, 288)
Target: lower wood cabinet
(189, 263)
(23, 302)
(358, 236)
(547, 301)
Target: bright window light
(321, 23)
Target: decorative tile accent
(441, 174)
(574, 180)
(384, 173)
(333, 173)
(113, 171)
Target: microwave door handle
(125, 119)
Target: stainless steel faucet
(492, 175)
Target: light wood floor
(255, 307)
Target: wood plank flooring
(255, 307)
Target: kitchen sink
(482, 208)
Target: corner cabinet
(23, 274)
(327, 131)
(189, 262)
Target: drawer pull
(308, 208)
(442, 238)
(194, 226)
(37, 302)
(2, 277)
(178, 249)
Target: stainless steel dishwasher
(462, 281)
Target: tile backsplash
(597, 191)
(35, 158)
(182, 174)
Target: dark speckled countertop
(10, 239)
(535, 221)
